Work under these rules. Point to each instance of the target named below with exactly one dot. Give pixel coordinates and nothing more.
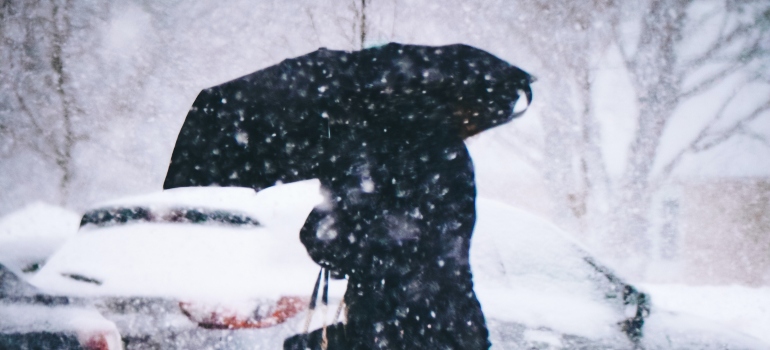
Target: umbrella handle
(311, 307)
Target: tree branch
(519, 144)
(347, 26)
(28, 112)
(676, 160)
(704, 20)
(9, 137)
(312, 25)
(737, 128)
(629, 61)
(757, 137)
(716, 47)
(711, 81)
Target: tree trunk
(656, 85)
(363, 23)
(64, 150)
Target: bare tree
(43, 105)
(38, 108)
(362, 22)
(357, 33)
(664, 76)
(358, 23)
(570, 40)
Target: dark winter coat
(383, 130)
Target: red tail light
(222, 318)
(98, 342)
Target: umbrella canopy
(281, 123)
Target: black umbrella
(279, 124)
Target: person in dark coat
(383, 130)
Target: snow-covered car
(223, 267)
(28, 236)
(31, 319)
(213, 266)
(540, 289)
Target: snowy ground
(741, 308)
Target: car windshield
(122, 215)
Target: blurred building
(724, 231)
(704, 231)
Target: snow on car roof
(188, 260)
(237, 198)
(263, 205)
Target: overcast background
(648, 138)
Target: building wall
(725, 231)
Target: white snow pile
(276, 206)
(193, 261)
(31, 234)
(741, 308)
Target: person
(383, 130)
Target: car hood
(528, 271)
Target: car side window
(105, 217)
